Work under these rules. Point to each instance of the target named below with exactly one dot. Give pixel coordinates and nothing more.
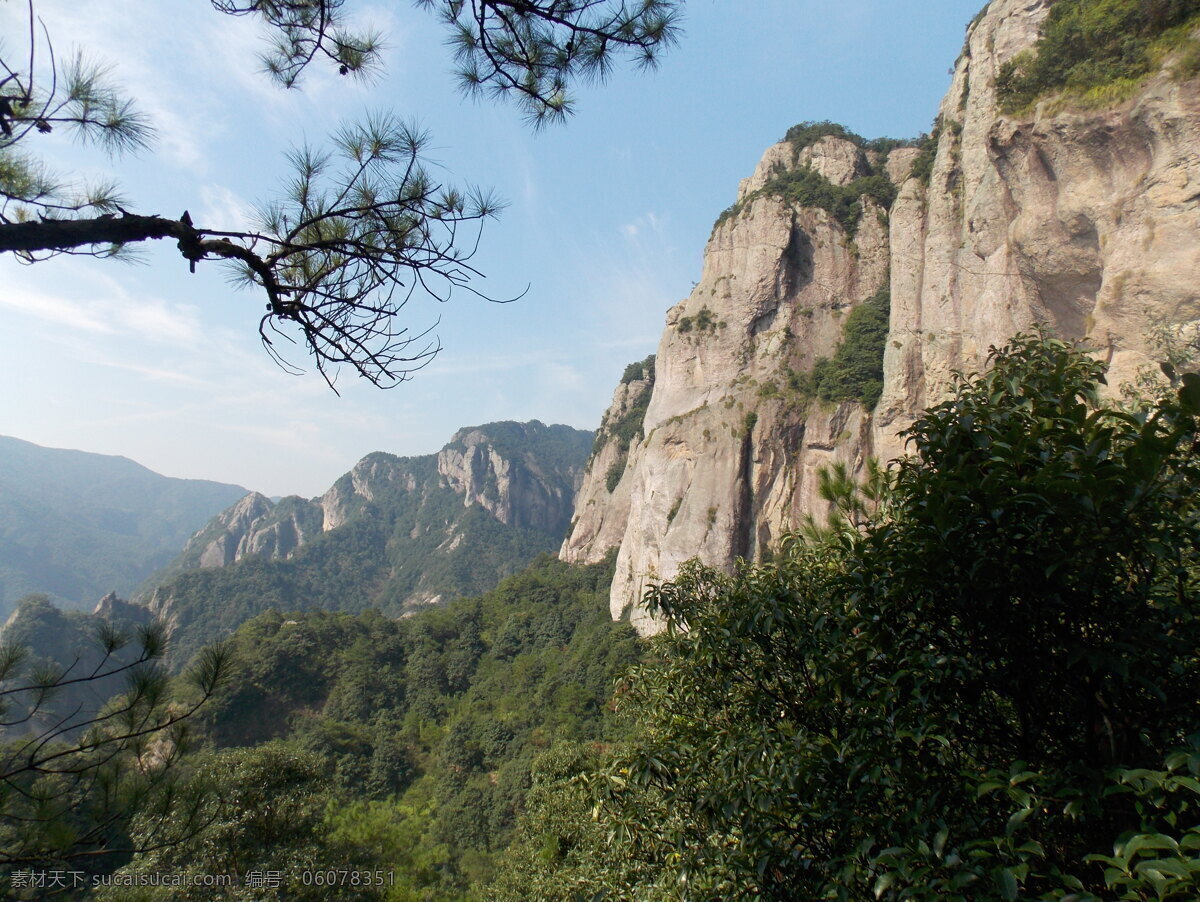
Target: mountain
(851, 279)
(77, 526)
(397, 533)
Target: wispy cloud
(158, 374)
(99, 305)
(648, 226)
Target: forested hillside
(403, 745)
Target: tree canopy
(362, 224)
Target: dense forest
(401, 746)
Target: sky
(604, 229)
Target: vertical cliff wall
(1086, 220)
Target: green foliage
(1088, 45)
(638, 370)
(428, 726)
(612, 477)
(922, 167)
(978, 682)
(93, 655)
(749, 421)
(560, 852)
(628, 424)
(88, 745)
(702, 322)
(855, 373)
(805, 134)
(534, 52)
(884, 146)
(807, 187)
(268, 816)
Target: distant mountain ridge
(395, 533)
(76, 525)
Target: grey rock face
(514, 486)
(525, 475)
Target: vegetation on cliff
(855, 372)
(1098, 50)
(804, 186)
(406, 537)
(628, 426)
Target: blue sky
(606, 224)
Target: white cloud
(648, 227)
(98, 304)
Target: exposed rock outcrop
(118, 611)
(602, 504)
(508, 480)
(523, 474)
(1086, 220)
(394, 533)
(730, 455)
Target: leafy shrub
(805, 134)
(704, 321)
(749, 421)
(629, 425)
(856, 371)
(809, 188)
(922, 167)
(612, 478)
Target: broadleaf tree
(362, 225)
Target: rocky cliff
(1082, 219)
(523, 474)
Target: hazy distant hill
(76, 525)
